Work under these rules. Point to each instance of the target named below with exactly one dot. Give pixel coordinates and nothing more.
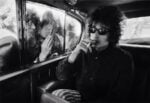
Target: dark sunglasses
(103, 31)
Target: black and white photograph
(74, 51)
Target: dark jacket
(100, 76)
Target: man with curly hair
(98, 69)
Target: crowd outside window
(51, 42)
(41, 40)
(32, 44)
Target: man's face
(98, 35)
(30, 28)
(46, 30)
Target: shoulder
(121, 53)
(123, 59)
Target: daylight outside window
(8, 17)
(136, 31)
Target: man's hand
(72, 96)
(46, 47)
(84, 45)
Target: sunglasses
(101, 31)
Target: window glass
(44, 32)
(9, 41)
(73, 33)
(46, 28)
(8, 16)
(136, 31)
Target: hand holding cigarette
(84, 45)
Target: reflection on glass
(73, 33)
(9, 42)
(44, 32)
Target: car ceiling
(132, 8)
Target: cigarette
(88, 45)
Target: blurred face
(98, 36)
(31, 39)
(46, 30)
(30, 28)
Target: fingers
(63, 93)
(89, 47)
(47, 46)
(85, 45)
(48, 41)
(54, 28)
(67, 94)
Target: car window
(44, 22)
(136, 31)
(9, 38)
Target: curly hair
(32, 16)
(111, 16)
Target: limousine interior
(23, 78)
